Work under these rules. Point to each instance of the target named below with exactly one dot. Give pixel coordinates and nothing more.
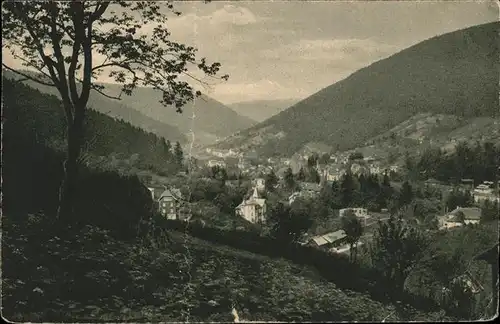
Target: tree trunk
(68, 185)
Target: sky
(292, 49)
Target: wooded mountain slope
(455, 73)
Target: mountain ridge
(217, 119)
(260, 110)
(426, 77)
(114, 109)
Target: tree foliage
(397, 249)
(63, 43)
(271, 180)
(353, 229)
(288, 224)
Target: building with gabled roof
(253, 209)
(460, 216)
(172, 205)
(328, 241)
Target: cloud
(226, 16)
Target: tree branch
(28, 77)
(99, 11)
(106, 95)
(48, 62)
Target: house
(172, 205)
(470, 281)
(329, 241)
(394, 168)
(259, 183)
(310, 188)
(333, 172)
(375, 169)
(467, 184)
(359, 212)
(484, 192)
(219, 163)
(252, 209)
(431, 182)
(307, 191)
(459, 217)
(358, 169)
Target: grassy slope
(103, 279)
(456, 73)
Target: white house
(218, 163)
(253, 209)
(260, 184)
(484, 192)
(469, 215)
(361, 213)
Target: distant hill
(115, 109)
(260, 110)
(455, 73)
(213, 120)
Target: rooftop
(470, 213)
(310, 186)
(172, 192)
(328, 237)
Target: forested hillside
(42, 115)
(115, 109)
(455, 73)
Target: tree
(324, 159)
(289, 179)
(490, 211)
(313, 176)
(356, 156)
(167, 149)
(312, 160)
(459, 198)
(301, 176)
(271, 180)
(397, 250)
(353, 229)
(80, 32)
(178, 154)
(406, 194)
(347, 189)
(289, 224)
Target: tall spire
(255, 193)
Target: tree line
(479, 161)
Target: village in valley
(286, 178)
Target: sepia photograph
(250, 161)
